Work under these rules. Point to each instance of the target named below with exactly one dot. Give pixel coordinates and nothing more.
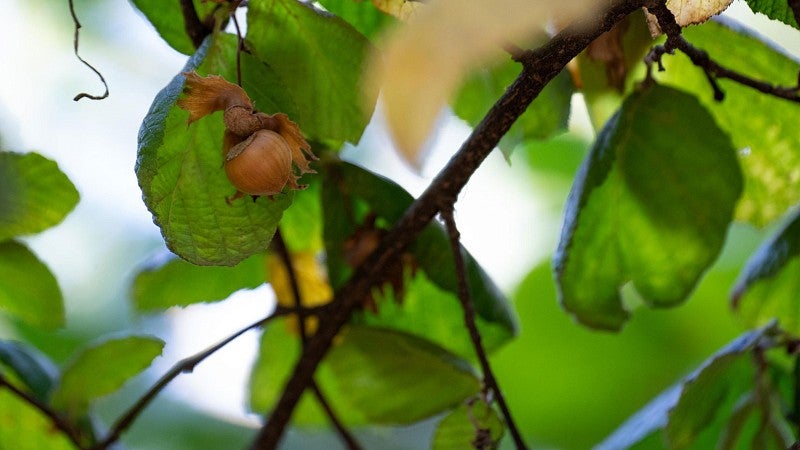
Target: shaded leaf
(471, 423)
(101, 369)
(34, 194)
(425, 62)
(31, 367)
(24, 427)
(319, 58)
(685, 409)
(180, 172)
(278, 353)
(768, 286)
(167, 19)
(547, 115)
(171, 282)
(395, 377)
(348, 188)
(646, 209)
(774, 9)
(28, 290)
(363, 15)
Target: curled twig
(75, 43)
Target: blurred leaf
(774, 9)
(547, 115)
(320, 59)
(101, 369)
(278, 352)
(174, 282)
(768, 286)
(23, 427)
(645, 208)
(34, 194)
(180, 172)
(424, 62)
(397, 378)
(31, 367)
(167, 19)
(312, 282)
(28, 290)
(345, 185)
(686, 409)
(471, 422)
(301, 225)
(363, 15)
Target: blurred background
(567, 386)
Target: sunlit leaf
(34, 194)
(24, 427)
(169, 282)
(167, 18)
(363, 15)
(646, 208)
(179, 168)
(312, 281)
(769, 286)
(473, 424)
(424, 63)
(684, 410)
(319, 58)
(688, 12)
(395, 377)
(547, 115)
(28, 290)
(31, 367)
(774, 9)
(101, 369)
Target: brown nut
(259, 165)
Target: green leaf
(320, 59)
(364, 16)
(167, 18)
(684, 410)
(24, 427)
(180, 172)
(397, 378)
(278, 352)
(28, 290)
(347, 187)
(768, 286)
(546, 116)
(34, 194)
(31, 367)
(174, 282)
(301, 225)
(645, 208)
(774, 9)
(471, 423)
(101, 369)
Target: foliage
(399, 324)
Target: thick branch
(712, 69)
(539, 67)
(469, 320)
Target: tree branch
(75, 41)
(57, 420)
(195, 28)
(469, 320)
(539, 67)
(712, 69)
(280, 247)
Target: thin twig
(280, 246)
(239, 48)
(75, 41)
(540, 66)
(186, 365)
(712, 69)
(57, 419)
(195, 29)
(469, 320)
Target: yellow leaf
(311, 279)
(689, 12)
(425, 61)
